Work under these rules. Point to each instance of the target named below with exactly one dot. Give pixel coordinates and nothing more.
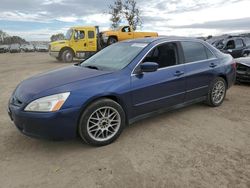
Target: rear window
(195, 51)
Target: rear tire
(217, 92)
(67, 56)
(102, 122)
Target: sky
(39, 19)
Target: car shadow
(18, 142)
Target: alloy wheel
(218, 92)
(103, 123)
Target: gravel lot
(197, 146)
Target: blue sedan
(122, 83)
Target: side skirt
(163, 110)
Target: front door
(162, 88)
(80, 40)
(126, 33)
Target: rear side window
(195, 51)
(91, 34)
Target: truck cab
(79, 42)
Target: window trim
(133, 71)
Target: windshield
(68, 34)
(114, 57)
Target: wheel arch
(66, 48)
(113, 36)
(225, 78)
(111, 96)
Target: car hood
(244, 61)
(30, 88)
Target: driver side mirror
(149, 67)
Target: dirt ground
(197, 146)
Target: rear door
(91, 40)
(200, 64)
(162, 88)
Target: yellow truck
(84, 41)
(124, 33)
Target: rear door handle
(212, 65)
(178, 73)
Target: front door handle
(212, 65)
(178, 73)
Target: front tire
(102, 122)
(217, 92)
(112, 40)
(67, 56)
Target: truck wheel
(111, 40)
(67, 56)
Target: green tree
(57, 37)
(125, 10)
(116, 13)
(3, 35)
(132, 13)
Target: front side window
(126, 29)
(165, 55)
(230, 44)
(79, 34)
(195, 51)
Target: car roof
(161, 39)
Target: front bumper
(59, 125)
(54, 54)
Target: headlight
(50, 103)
